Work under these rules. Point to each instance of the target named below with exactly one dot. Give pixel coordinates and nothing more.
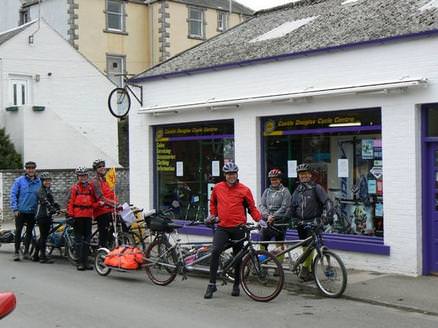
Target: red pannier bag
(125, 257)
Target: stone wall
(62, 180)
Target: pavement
(412, 294)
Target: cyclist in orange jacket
(229, 201)
(80, 208)
(106, 202)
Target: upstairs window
(196, 23)
(115, 15)
(24, 16)
(222, 21)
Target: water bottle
(262, 257)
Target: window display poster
(291, 169)
(379, 209)
(379, 190)
(215, 171)
(367, 148)
(179, 169)
(210, 187)
(372, 186)
(377, 148)
(343, 168)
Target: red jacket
(82, 201)
(105, 194)
(230, 203)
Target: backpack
(125, 257)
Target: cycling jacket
(308, 202)
(82, 201)
(24, 191)
(46, 204)
(105, 194)
(276, 202)
(229, 204)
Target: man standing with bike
(107, 201)
(24, 200)
(228, 204)
(309, 201)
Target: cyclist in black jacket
(309, 201)
(46, 208)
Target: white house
(53, 102)
(347, 86)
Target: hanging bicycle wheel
(119, 102)
(330, 274)
(262, 276)
(161, 262)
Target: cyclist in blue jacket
(24, 201)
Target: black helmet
(230, 167)
(30, 164)
(275, 173)
(97, 162)
(45, 176)
(303, 168)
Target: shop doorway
(430, 189)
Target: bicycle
(61, 237)
(119, 101)
(328, 269)
(262, 277)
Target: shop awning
(233, 103)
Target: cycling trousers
(44, 225)
(21, 220)
(82, 230)
(221, 239)
(103, 226)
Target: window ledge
(115, 32)
(196, 37)
(350, 243)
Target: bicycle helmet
(303, 168)
(275, 173)
(230, 167)
(81, 170)
(45, 176)
(97, 162)
(30, 164)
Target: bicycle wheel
(262, 276)
(99, 264)
(330, 274)
(119, 102)
(70, 251)
(161, 262)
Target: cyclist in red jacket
(229, 201)
(107, 201)
(80, 208)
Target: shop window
(188, 162)
(432, 121)
(344, 150)
(196, 23)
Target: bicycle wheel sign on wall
(119, 100)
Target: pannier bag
(125, 257)
(7, 236)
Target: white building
(330, 82)
(53, 102)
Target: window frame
(24, 16)
(223, 21)
(122, 71)
(122, 15)
(201, 21)
(14, 96)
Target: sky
(263, 4)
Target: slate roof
(5, 36)
(335, 25)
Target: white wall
(76, 126)
(54, 13)
(9, 14)
(400, 120)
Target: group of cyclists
(231, 199)
(32, 202)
